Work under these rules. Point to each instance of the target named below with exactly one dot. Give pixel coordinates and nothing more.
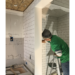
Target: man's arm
(58, 53)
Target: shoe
(61, 70)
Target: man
(60, 49)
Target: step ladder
(53, 65)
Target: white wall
(14, 26)
(63, 28)
(66, 30)
(58, 26)
(50, 23)
(14, 49)
(71, 36)
(29, 35)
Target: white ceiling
(63, 3)
(55, 10)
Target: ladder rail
(47, 65)
(52, 66)
(57, 67)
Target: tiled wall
(63, 28)
(29, 33)
(63, 3)
(58, 26)
(66, 30)
(51, 24)
(15, 48)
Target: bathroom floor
(10, 74)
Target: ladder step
(50, 65)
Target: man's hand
(56, 55)
(43, 41)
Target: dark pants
(65, 68)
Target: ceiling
(18, 5)
(54, 13)
(54, 10)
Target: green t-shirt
(58, 44)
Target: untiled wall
(15, 48)
(71, 35)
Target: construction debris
(16, 70)
(17, 66)
(25, 74)
(9, 72)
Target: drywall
(13, 12)
(15, 48)
(14, 26)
